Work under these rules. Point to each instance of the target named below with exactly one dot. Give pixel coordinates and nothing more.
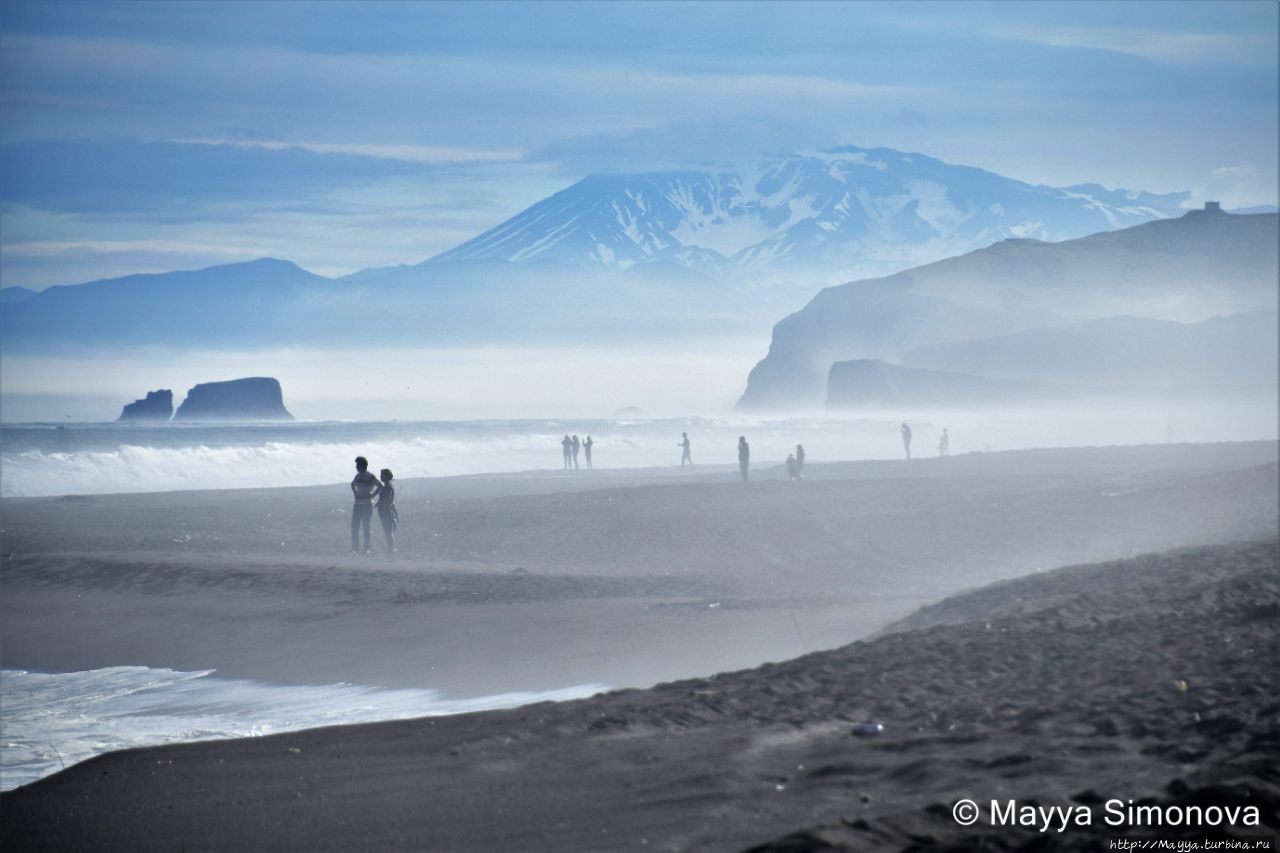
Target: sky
(152, 136)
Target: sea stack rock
(156, 406)
(258, 398)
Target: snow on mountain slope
(837, 212)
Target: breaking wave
(54, 720)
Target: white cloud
(1231, 173)
(1236, 185)
(49, 248)
(484, 117)
(1166, 47)
(425, 154)
(427, 107)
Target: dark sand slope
(1059, 688)
(534, 582)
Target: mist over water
(664, 377)
(57, 459)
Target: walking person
(364, 488)
(586, 449)
(387, 512)
(744, 457)
(685, 456)
(906, 438)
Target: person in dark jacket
(364, 488)
(685, 454)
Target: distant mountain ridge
(274, 303)
(1203, 264)
(835, 210)
(643, 256)
(13, 295)
(234, 304)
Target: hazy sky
(154, 136)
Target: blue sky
(151, 136)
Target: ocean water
(86, 458)
(54, 720)
(104, 458)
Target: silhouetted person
(906, 439)
(567, 445)
(576, 445)
(800, 460)
(793, 467)
(586, 449)
(744, 457)
(364, 487)
(387, 512)
(684, 450)
(944, 443)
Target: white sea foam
(137, 468)
(39, 460)
(101, 459)
(52, 720)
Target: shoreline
(516, 582)
(520, 584)
(1072, 686)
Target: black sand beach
(1064, 684)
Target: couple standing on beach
(795, 463)
(365, 487)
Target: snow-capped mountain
(836, 212)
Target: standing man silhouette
(684, 446)
(364, 488)
(906, 438)
(744, 457)
(567, 446)
(576, 445)
(944, 443)
(586, 449)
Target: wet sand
(542, 581)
